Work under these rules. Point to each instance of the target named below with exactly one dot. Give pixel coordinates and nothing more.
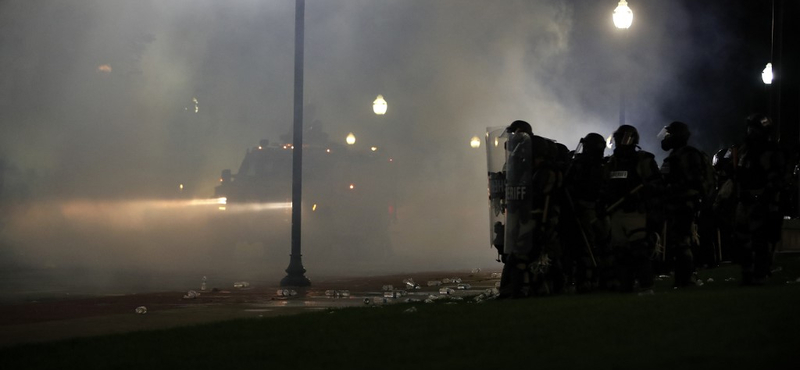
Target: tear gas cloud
(107, 106)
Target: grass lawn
(717, 326)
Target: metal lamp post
(295, 272)
(623, 18)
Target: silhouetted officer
(684, 172)
(758, 181)
(584, 184)
(633, 178)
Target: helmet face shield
(626, 136)
(579, 148)
(663, 134)
(626, 139)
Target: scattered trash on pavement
(337, 293)
(141, 310)
(286, 292)
(191, 295)
(410, 284)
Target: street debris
(191, 295)
(241, 284)
(410, 284)
(332, 293)
(141, 310)
(286, 292)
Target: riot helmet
(592, 144)
(722, 160)
(519, 125)
(759, 128)
(674, 135)
(626, 136)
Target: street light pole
(623, 18)
(295, 272)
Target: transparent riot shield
(496, 163)
(519, 224)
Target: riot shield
(496, 163)
(519, 167)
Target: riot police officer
(683, 172)
(531, 240)
(632, 183)
(585, 232)
(758, 181)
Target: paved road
(64, 318)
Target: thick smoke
(108, 106)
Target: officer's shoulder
(643, 154)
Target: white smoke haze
(107, 106)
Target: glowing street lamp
(766, 74)
(351, 139)
(475, 143)
(623, 16)
(379, 106)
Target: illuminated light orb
(327, 150)
(610, 141)
(475, 142)
(379, 106)
(352, 186)
(374, 148)
(196, 105)
(766, 74)
(105, 68)
(623, 16)
(351, 139)
(180, 186)
(314, 207)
